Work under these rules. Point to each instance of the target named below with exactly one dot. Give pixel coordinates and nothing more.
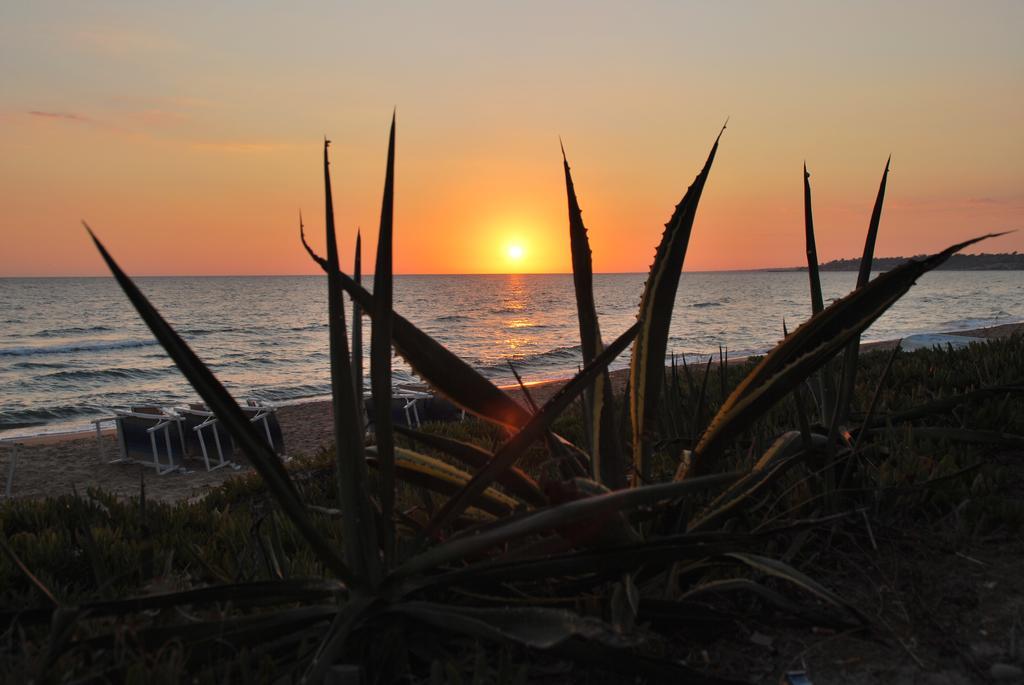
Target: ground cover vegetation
(599, 535)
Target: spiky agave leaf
(775, 599)
(584, 639)
(849, 373)
(262, 457)
(787, 450)
(357, 321)
(535, 428)
(806, 349)
(956, 434)
(380, 354)
(943, 404)
(220, 632)
(345, 620)
(32, 578)
(598, 565)
(555, 517)
(824, 384)
(605, 450)
(249, 594)
(441, 477)
(783, 571)
(534, 627)
(359, 534)
(444, 371)
(515, 480)
(817, 301)
(648, 360)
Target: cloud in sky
(61, 116)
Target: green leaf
(848, 377)
(817, 302)
(261, 456)
(771, 597)
(786, 451)
(440, 476)
(357, 323)
(332, 646)
(249, 594)
(552, 518)
(597, 564)
(515, 480)
(647, 364)
(444, 371)
(824, 384)
(359, 534)
(538, 424)
(944, 404)
(806, 349)
(380, 355)
(779, 569)
(529, 626)
(605, 448)
(988, 437)
(32, 578)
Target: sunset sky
(189, 134)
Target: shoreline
(77, 433)
(61, 463)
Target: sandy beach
(62, 463)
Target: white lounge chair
(265, 415)
(414, 407)
(200, 425)
(144, 435)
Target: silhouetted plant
(504, 544)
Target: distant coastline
(1003, 261)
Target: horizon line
(801, 267)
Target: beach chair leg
(202, 446)
(270, 439)
(100, 447)
(220, 450)
(416, 413)
(220, 453)
(156, 457)
(11, 468)
(170, 455)
(121, 446)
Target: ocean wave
(106, 374)
(74, 347)
(11, 419)
(71, 330)
(283, 393)
(567, 357)
(39, 365)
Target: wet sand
(61, 464)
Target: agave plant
(510, 555)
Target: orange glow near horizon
(177, 135)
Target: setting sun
(515, 252)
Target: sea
(71, 349)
